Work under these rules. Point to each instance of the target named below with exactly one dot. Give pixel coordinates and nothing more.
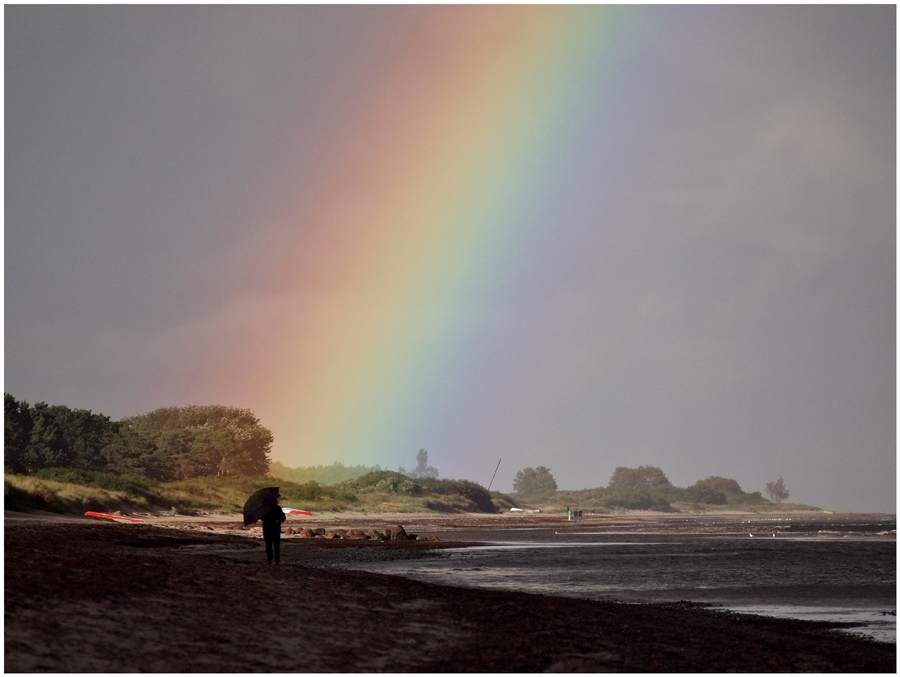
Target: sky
(579, 237)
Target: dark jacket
(272, 520)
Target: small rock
(398, 533)
(307, 533)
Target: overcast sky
(713, 291)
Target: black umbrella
(259, 504)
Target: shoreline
(732, 523)
(89, 595)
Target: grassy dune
(21, 492)
(74, 492)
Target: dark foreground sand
(86, 595)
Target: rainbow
(432, 198)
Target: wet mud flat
(88, 596)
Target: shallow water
(845, 580)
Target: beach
(194, 594)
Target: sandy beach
(194, 594)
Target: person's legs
(268, 548)
(276, 543)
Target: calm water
(848, 580)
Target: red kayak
(112, 517)
(294, 511)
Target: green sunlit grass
(74, 492)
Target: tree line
(171, 443)
(647, 488)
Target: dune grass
(21, 492)
(74, 492)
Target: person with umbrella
(263, 505)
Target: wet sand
(195, 595)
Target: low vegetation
(440, 495)
(67, 491)
(322, 474)
(211, 458)
(646, 488)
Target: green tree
(45, 436)
(777, 491)
(533, 481)
(129, 453)
(16, 432)
(645, 477)
(422, 468)
(47, 447)
(206, 440)
(724, 485)
(85, 435)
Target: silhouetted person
(272, 532)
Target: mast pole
(494, 475)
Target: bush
(471, 491)
(390, 482)
(635, 499)
(383, 482)
(502, 501)
(703, 494)
(90, 478)
(755, 498)
(724, 485)
(313, 491)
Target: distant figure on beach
(272, 532)
(569, 512)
